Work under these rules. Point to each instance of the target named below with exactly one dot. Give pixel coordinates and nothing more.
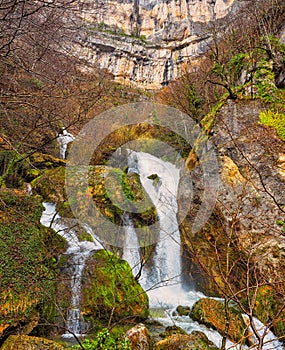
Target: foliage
(274, 119)
(104, 341)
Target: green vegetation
(27, 252)
(104, 341)
(274, 119)
(105, 28)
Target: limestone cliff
(147, 42)
(241, 247)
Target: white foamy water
(63, 139)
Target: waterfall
(160, 179)
(63, 139)
(131, 252)
(78, 251)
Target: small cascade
(63, 139)
(78, 251)
(270, 341)
(131, 252)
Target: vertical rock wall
(148, 43)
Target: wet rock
(195, 341)
(139, 337)
(23, 342)
(170, 330)
(183, 310)
(211, 313)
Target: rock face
(246, 225)
(145, 42)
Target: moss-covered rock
(109, 289)
(113, 191)
(27, 271)
(19, 168)
(194, 341)
(50, 185)
(211, 313)
(267, 306)
(170, 330)
(23, 342)
(183, 310)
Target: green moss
(109, 287)
(27, 255)
(50, 185)
(274, 119)
(113, 191)
(267, 306)
(208, 121)
(23, 342)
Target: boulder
(211, 313)
(24, 342)
(194, 341)
(170, 330)
(139, 337)
(183, 310)
(110, 291)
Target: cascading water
(131, 254)
(63, 139)
(160, 180)
(78, 251)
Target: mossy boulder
(23, 342)
(28, 252)
(170, 330)
(19, 168)
(183, 310)
(113, 191)
(194, 341)
(211, 313)
(109, 289)
(267, 306)
(50, 185)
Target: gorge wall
(148, 43)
